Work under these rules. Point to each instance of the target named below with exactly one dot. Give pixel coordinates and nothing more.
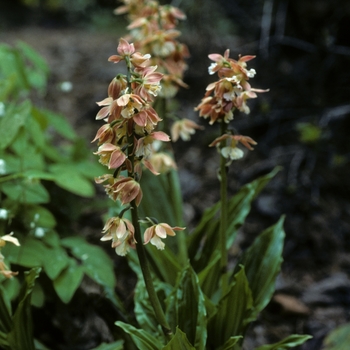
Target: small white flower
(232, 153)
(251, 73)
(2, 167)
(211, 68)
(4, 214)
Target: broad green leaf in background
(186, 308)
(37, 69)
(96, 263)
(28, 191)
(141, 339)
(262, 262)
(68, 281)
(29, 254)
(54, 261)
(233, 312)
(179, 342)
(67, 177)
(58, 122)
(36, 215)
(290, 342)
(21, 335)
(338, 339)
(36, 133)
(10, 123)
(34, 252)
(11, 288)
(38, 296)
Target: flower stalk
(223, 215)
(222, 98)
(146, 273)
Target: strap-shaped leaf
(186, 308)
(231, 344)
(209, 277)
(21, 335)
(238, 208)
(179, 342)
(5, 312)
(233, 311)
(141, 339)
(143, 309)
(290, 342)
(262, 262)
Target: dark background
(301, 124)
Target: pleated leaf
(21, 335)
(233, 312)
(186, 308)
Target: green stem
(223, 214)
(175, 190)
(141, 252)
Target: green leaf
(117, 345)
(96, 263)
(21, 335)
(288, 343)
(144, 311)
(67, 177)
(238, 209)
(34, 252)
(338, 339)
(209, 277)
(59, 123)
(38, 296)
(179, 342)
(262, 262)
(68, 281)
(231, 342)
(141, 339)
(36, 68)
(205, 226)
(186, 308)
(38, 216)
(55, 260)
(164, 263)
(233, 310)
(29, 254)
(26, 191)
(36, 133)
(12, 287)
(5, 311)
(12, 121)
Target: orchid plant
(191, 292)
(197, 302)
